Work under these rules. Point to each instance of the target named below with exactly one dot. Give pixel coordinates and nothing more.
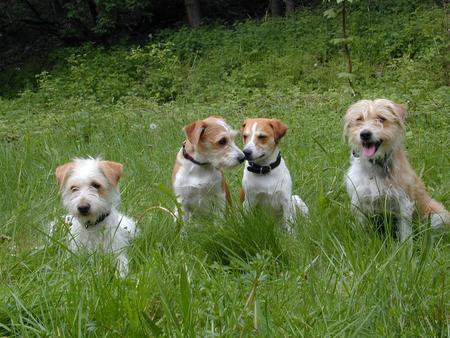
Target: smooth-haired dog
(90, 194)
(267, 181)
(197, 178)
(380, 178)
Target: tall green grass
(240, 275)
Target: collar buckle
(261, 170)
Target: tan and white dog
(197, 178)
(380, 177)
(267, 181)
(89, 191)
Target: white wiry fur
(370, 194)
(111, 235)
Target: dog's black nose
(247, 153)
(241, 158)
(365, 135)
(84, 208)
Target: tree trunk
(193, 12)
(93, 10)
(290, 6)
(275, 7)
(58, 10)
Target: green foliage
(158, 73)
(74, 21)
(240, 275)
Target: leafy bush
(237, 275)
(212, 64)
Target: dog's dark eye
(95, 185)
(359, 119)
(245, 137)
(381, 119)
(262, 137)
(222, 141)
(73, 188)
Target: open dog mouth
(370, 148)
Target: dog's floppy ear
(62, 172)
(400, 111)
(279, 129)
(243, 127)
(194, 131)
(112, 170)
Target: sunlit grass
(240, 275)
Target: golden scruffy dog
(380, 177)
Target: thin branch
(346, 48)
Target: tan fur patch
(242, 195)
(194, 131)
(62, 172)
(227, 192)
(176, 167)
(403, 175)
(272, 129)
(112, 170)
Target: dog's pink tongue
(369, 151)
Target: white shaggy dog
(197, 176)
(267, 181)
(89, 191)
(380, 177)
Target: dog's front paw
(288, 229)
(440, 221)
(299, 205)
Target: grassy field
(238, 276)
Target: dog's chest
(370, 186)
(192, 184)
(271, 190)
(107, 238)
(200, 189)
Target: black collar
(97, 221)
(264, 169)
(189, 157)
(384, 162)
